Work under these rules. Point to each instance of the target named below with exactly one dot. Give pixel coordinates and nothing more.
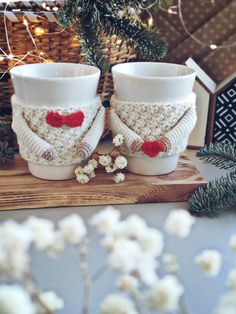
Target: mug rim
(123, 65)
(13, 71)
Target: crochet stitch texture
(170, 122)
(42, 143)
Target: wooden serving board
(19, 189)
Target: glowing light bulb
(1, 58)
(10, 56)
(25, 22)
(39, 31)
(48, 61)
(150, 21)
(213, 46)
(41, 53)
(172, 10)
(55, 9)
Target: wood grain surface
(19, 189)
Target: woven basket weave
(57, 45)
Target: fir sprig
(222, 155)
(215, 196)
(220, 193)
(94, 20)
(6, 152)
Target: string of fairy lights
(41, 56)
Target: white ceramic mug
(152, 82)
(60, 85)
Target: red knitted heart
(152, 149)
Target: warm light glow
(44, 4)
(172, 10)
(119, 41)
(48, 8)
(48, 61)
(150, 21)
(25, 22)
(39, 31)
(55, 9)
(41, 53)
(213, 46)
(1, 58)
(10, 56)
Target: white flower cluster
(165, 294)
(16, 241)
(133, 249)
(86, 173)
(210, 262)
(179, 223)
(117, 304)
(227, 303)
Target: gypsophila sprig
(110, 163)
(134, 252)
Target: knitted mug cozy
(57, 135)
(153, 128)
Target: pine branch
(91, 47)
(6, 152)
(95, 18)
(222, 155)
(146, 43)
(214, 197)
(4, 124)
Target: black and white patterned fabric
(225, 115)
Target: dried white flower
(227, 304)
(88, 169)
(92, 175)
(42, 230)
(57, 246)
(233, 242)
(111, 168)
(125, 256)
(119, 177)
(105, 160)
(15, 300)
(72, 228)
(127, 283)
(119, 138)
(79, 170)
(51, 300)
(120, 162)
(171, 263)
(146, 269)
(15, 241)
(105, 220)
(135, 227)
(231, 280)
(82, 178)
(117, 304)
(93, 163)
(179, 223)
(165, 294)
(209, 261)
(152, 242)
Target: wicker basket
(57, 45)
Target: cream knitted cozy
(42, 143)
(140, 121)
